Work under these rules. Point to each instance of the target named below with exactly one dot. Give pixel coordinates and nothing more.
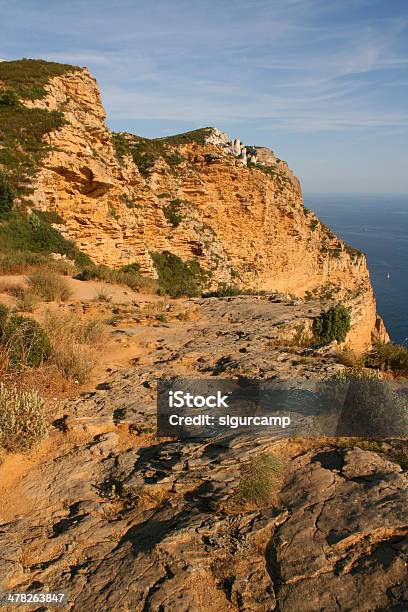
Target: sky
(324, 83)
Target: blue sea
(378, 226)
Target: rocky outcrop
(244, 223)
(122, 520)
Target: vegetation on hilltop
(198, 136)
(27, 77)
(146, 151)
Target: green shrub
(24, 341)
(23, 419)
(50, 217)
(49, 286)
(29, 238)
(224, 291)
(333, 324)
(132, 268)
(8, 97)
(389, 356)
(6, 194)
(129, 275)
(259, 480)
(172, 212)
(178, 277)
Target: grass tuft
(23, 420)
(259, 480)
(49, 286)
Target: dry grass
(11, 287)
(49, 286)
(102, 296)
(349, 358)
(74, 340)
(28, 301)
(260, 480)
(23, 419)
(26, 263)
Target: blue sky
(323, 83)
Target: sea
(378, 226)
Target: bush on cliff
(332, 324)
(178, 277)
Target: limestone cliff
(238, 210)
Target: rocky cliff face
(237, 210)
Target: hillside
(237, 211)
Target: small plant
(116, 490)
(27, 301)
(23, 420)
(131, 268)
(113, 213)
(28, 76)
(162, 318)
(102, 296)
(301, 337)
(172, 212)
(259, 480)
(6, 194)
(224, 291)
(333, 324)
(49, 286)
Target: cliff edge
(236, 209)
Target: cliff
(237, 210)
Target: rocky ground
(123, 520)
